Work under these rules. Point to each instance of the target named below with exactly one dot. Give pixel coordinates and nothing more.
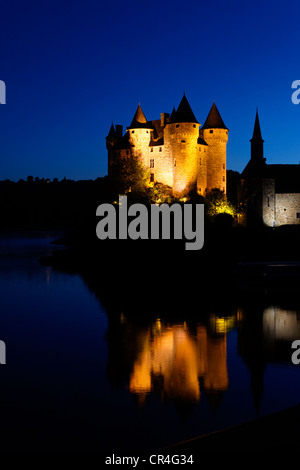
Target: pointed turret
(184, 112)
(215, 134)
(112, 132)
(257, 142)
(214, 120)
(139, 120)
(173, 115)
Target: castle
(272, 191)
(175, 149)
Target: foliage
(130, 175)
(216, 203)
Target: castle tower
(257, 142)
(181, 141)
(139, 136)
(215, 134)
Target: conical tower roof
(256, 131)
(139, 119)
(173, 115)
(184, 112)
(112, 132)
(214, 120)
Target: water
(78, 377)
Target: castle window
(268, 199)
(151, 149)
(160, 149)
(199, 149)
(132, 132)
(151, 177)
(211, 131)
(151, 162)
(174, 162)
(183, 141)
(177, 125)
(223, 166)
(194, 125)
(298, 215)
(223, 178)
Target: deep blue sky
(71, 67)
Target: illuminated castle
(177, 152)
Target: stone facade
(272, 191)
(177, 152)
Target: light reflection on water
(78, 377)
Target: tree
(216, 202)
(130, 175)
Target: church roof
(184, 112)
(286, 176)
(139, 120)
(256, 131)
(214, 120)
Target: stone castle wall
(287, 207)
(216, 159)
(184, 148)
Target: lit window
(151, 162)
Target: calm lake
(76, 378)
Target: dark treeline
(44, 204)
(41, 203)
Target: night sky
(72, 67)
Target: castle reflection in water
(179, 361)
